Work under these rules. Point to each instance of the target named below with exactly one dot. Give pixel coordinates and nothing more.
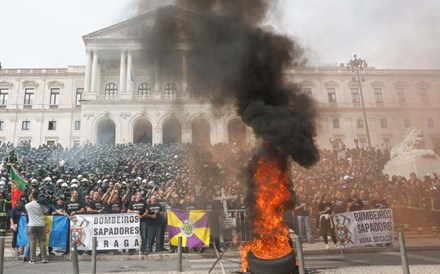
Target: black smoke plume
(237, 60)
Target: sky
(388, 34)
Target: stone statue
(412, 144)
(411, 156)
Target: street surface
(379, 262)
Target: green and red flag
(18, 186)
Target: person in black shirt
(354, 203)
(339, 205)
(95, 206)
(155, 213)
(139, 207)
(113, 205)
(365, 200)
(74, 205)
(379, 202)
(14, 219)
(302, 211)
(326, 219)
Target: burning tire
(283, 265)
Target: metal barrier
(241, 230)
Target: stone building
(119, 97)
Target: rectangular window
(76, 143)
(50, 143)
(378, 95)
(52, 125)
(355, 96)
(401, 95)
(387, 142)
(407, 123)
(383, 123)
(54, 96)
(331, 95)
(307, 91)
(424, 95)
(2, 125)
(4, 97)
(78, 98)
(360, 123)
(28, 96)
(336, 123)
(430, 123)
(25, 125)
(77, 125)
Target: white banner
(112, 231)
(366, 227)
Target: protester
(177, 173)
(17, 211)
(303, 211)
(154, 223)
(326, 219)
(36, 228)
(139, 207)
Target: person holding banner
(36, 228)
(326, 219)
(95, 206)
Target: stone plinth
(417, 163)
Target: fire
(271, 196)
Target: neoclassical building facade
(119, 96)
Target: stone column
(94, 72)
(123, 73)
(88, 70)
(130, 72)
(184, 75)
(157, 89)
(157, 135)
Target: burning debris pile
(239, 60)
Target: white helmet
(74, 186)
(60, 181)
(79, 177)
(2, 183)
(48, 179)
(74, 181)
(64, 185)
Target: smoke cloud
(237, 60)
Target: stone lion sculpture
(412, 144)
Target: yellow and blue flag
(57, 231)
(191, 225)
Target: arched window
(144, 89)
(111, 89)
(170, 90)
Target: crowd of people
(146, 179)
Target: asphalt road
(335, 263)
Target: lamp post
(356, 65)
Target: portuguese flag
(18, 186)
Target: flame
(270, 231)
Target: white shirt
(35, 213)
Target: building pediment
(186, 24)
